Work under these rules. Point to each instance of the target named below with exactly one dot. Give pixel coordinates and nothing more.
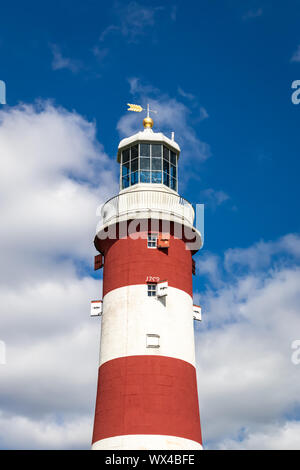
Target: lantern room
(148, 158)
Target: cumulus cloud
(248, 384)
(54, 174)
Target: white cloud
(133, 21)
(54, 174)
(214, 198)
(296, 55)
(252, 14)
(59, 62)
(272, 437)
(24, 433)
(248, 384)
(259, 255)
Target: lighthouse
(147, 394)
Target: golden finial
(148, 121)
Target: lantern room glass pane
(125, 182)
(134, 165)
(173, 171)
(125, 169)
(156, 163)
(166, 166)
(145, 150)
(166, 178)
(145, 163)
(125, 155)
(173, 184)
(156, 176)
(156, 150)
(134, 178)
(166, 153)
(173, 158)
(134, 152)
(144, 176)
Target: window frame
(154, 234)
(151, 289)
(166, 178)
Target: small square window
(152, 240)
(152, 341)
(151, 290)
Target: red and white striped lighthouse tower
(147, 388)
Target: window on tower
(151, 290)
(149, 163)
(152, 240)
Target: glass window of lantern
(134, 151)
(134, 178)
(156, 150)
(173, 171)
(156, 177)
(125, 155)
(166, 179)
(148, 163)
(173, 158)
(156, 164)
(144, 176)
(173, 184)
(145, 150)
(125, 168)
(125, 182)
(166, 153)
(145, 163)
(134, 165)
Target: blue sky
(219, 72)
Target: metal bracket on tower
(162, 289)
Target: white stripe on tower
(129, 315)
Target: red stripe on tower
(150, 394)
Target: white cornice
(147, 135)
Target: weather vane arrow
(137, 108)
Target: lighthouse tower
(147, 388)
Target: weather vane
(148, 121)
